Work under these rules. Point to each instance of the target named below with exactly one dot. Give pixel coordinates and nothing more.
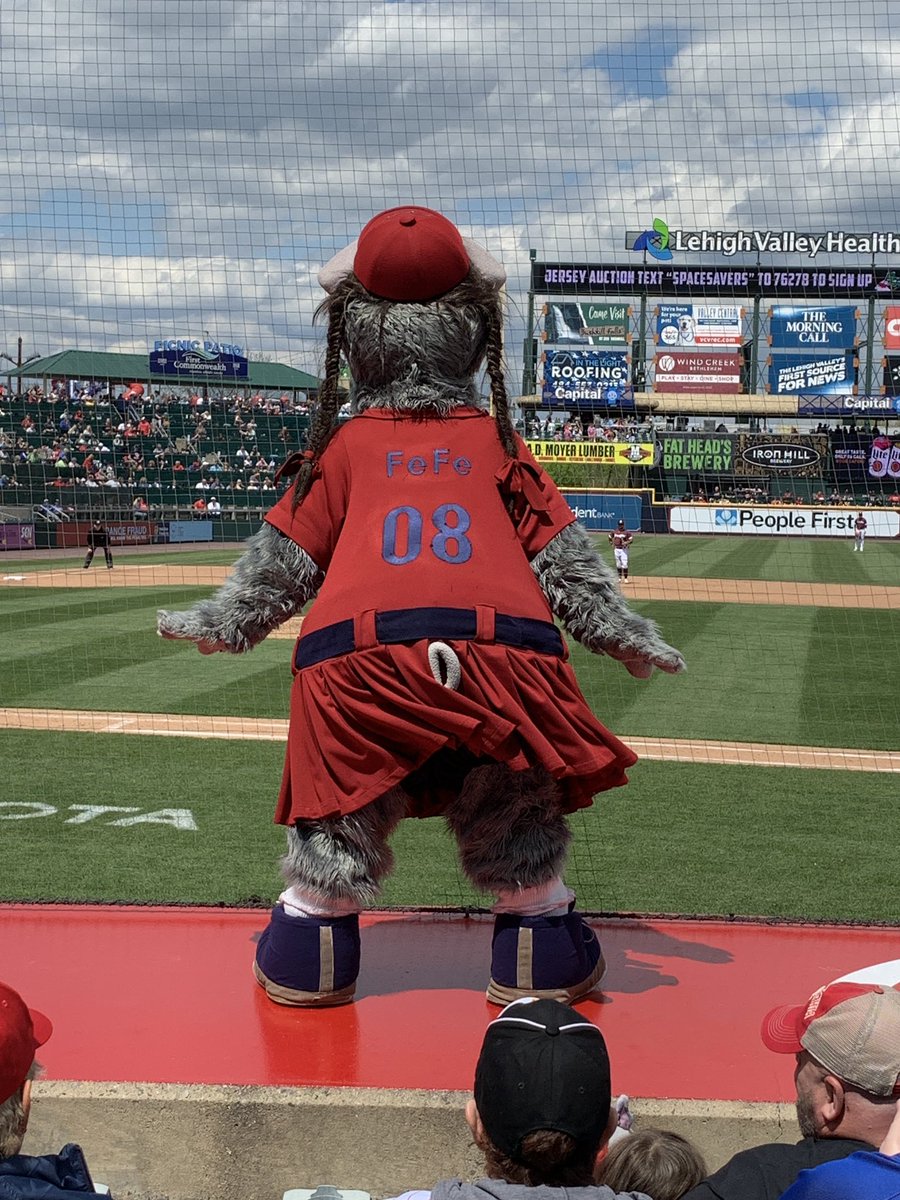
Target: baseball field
(136, 770)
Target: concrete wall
(229, 1143)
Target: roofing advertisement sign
(192, 358)
(793, 374)
(813, 328)
(892, 328)
(787, 521)
(587, 379)
(699, 325)
(587, 324)
(681, 371)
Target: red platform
(167, 995)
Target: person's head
(621, 525)
(541, 1108)
(662, 1164)
(22, 1031)
(846, 1040)
(414, 308)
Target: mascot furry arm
(274, 579)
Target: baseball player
(860, 525)
(98, 539)
(620, 539)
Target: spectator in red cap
(846, 1040)
(49, 1176)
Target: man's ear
(26, 1106)
(834, 1103)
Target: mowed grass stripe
(865, 645)
(773, 559)
(746, 679)
(695, 839)
(743, 683)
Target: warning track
(655, 587)
(760, 754)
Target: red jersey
(860, 523)
(412, 512)
(621, 539)
(426, 514)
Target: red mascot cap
(410, 255)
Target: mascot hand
(181, 627)
(640, 664)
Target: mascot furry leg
(430, 677)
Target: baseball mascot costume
(429, 677)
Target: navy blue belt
(414, 624)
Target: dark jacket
(48, 1177)
(97, 538)
(764, 1172)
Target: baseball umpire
(98, 539)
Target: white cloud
(170, 166)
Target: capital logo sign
(655, 241)
(892, 328)
(726, 516)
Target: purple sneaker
(555, 958)
(308, 962)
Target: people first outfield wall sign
(781, 521)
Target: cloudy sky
(176, 166)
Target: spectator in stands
(214, 508)
(541, 1110)
(846, 1039)
(662, 1164)
(866, 1174)
(199, 507)
(49, 1176)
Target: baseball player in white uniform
(620, 540)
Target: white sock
(298, 903)
(550, 899)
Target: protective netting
(697, 213)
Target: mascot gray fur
(429, 677)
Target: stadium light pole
(18, 362)
(528, 372)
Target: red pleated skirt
(364, 722)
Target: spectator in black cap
(541, 1110)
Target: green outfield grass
(25, 563)
(793, 560)
(791, 674)
(678, 838)
(774, 559)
